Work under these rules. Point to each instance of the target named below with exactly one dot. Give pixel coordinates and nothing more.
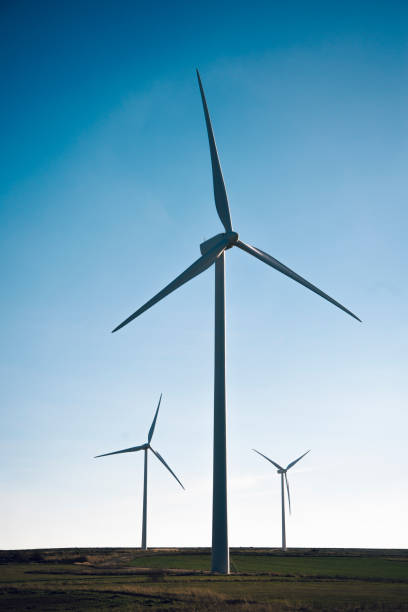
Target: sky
(105, 196)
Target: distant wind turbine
(283, 472)
(213, 252)
(145, 447)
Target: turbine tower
(283, 473)
(145, 447)
(213, 252)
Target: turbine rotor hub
(229, 237)
(232, 238)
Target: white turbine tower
(283, 473)
(213, 252)
(145, 447)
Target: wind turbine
(213, 252)
(283, 472)
(145, 447)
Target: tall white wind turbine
(283, 473)
(213, 252)
(145, 447)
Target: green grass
(185, 561)
(264, 581)
(358, 567)
(333, 566)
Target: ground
(179, 579)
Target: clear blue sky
(106, 193)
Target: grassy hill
(179, 579)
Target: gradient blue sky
(106, 193)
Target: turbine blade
(200, 265)
(220, 193)
(270, 460)
(287, 488)
(274, 263)
(296, 460)
(160, 458)
(125, 450)
(153, 425)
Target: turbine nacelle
(229, 239)
(281, 471)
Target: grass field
(179, 579)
